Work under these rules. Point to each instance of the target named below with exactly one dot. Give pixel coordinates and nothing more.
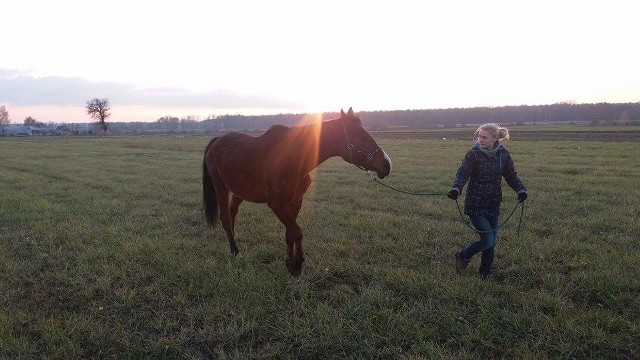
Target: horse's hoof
(234, 250)
(294, 267)
(295, 273)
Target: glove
(522, 197)
(453, 194)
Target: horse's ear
(350, 112)
(342, 114)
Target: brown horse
(274, 167)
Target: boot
(461, 264)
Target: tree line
(611, 113)
(568, 113)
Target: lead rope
(457, 205)
(499, 226)
(402, 191)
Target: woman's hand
(453, 194)
(522, 196)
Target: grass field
(104, 252)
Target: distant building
(46, 130)
(15, 130)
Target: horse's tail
(209, 197)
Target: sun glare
(315, 120)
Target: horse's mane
(277, 128)
(286, 133)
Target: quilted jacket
(484, 171)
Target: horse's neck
(331, 136)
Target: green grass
(104, 252)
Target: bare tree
(29, 121)
(99, 109)
(4, 116)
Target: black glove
(522, 197)
(453, 194)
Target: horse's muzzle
(383, 166)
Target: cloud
(25, 89)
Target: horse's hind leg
(233, 209)
(295, 207)
(222, 192)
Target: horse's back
(241, 147)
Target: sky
(155, 58)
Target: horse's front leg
(293, 235)
(298, 254)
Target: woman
(484, 166)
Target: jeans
(487, 242)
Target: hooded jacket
(484, 170)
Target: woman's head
(488, 134)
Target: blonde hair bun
(503, 133)
(495, 130)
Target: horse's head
(361, 150)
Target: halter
(352, 147)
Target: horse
(274, 168)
